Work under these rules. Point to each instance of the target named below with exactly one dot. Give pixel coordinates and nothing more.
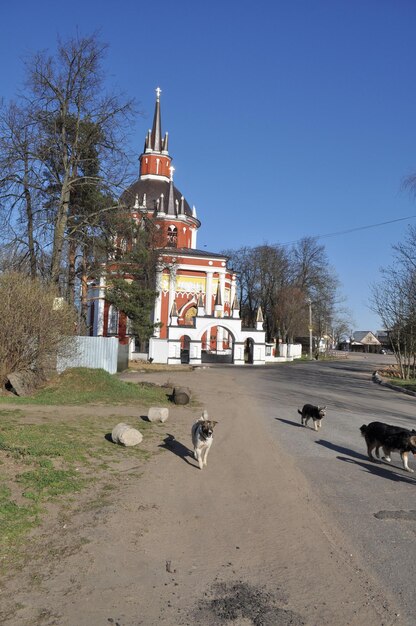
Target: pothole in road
(241, 604)
(406, 515)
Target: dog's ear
(323, 408)
(214, 423)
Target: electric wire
(349, 230)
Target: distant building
(362, 341)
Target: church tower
(155, 194)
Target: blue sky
(286, 118)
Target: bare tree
(20, 187)
(342, 322)
(291, 312)
(394, 300)
(35, 326)
(70, 135)
(262, 273)
(281, 281)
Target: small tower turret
(155, 162)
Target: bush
(35, 326)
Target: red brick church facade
(191, 284)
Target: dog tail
(363, 429)
(300, 412)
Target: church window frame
(172, 236)
(113, 319)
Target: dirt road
(242, 542)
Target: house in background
(362, 341)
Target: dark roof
(367, 335)
(192, 252)
(153, 189)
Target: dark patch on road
(406, 515)
(336, 448)
(228, 602)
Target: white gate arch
(170, 351)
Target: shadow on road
(175, 446)
(332, 446)
(279, 419)
(382, 471)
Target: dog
(202, 433)
(315, 413)
(392, 439)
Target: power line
(350, 230)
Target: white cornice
(203, 268)
(154, 177)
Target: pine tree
(131, 285)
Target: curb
(381, 381)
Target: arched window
(172, 236)
(190, 314)
(112, 325)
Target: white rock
(126, 435)
(158, 414)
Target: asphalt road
(373, 503)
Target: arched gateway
(169, 351)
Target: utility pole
(310, 328)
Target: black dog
(315, 413)
(392, 439)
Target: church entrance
(185, 344)
(248, 351)
(217, 346)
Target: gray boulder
(23, 383)
(158, 414)
(126, 435)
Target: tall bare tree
(20, 188)
(281, 280)
(79, 137)
(394, 300)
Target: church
(196, 308)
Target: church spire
(156, 135)
(155, 160)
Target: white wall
(94, 352)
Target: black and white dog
(202, 433)
(315, 413)
(392, 439)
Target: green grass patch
(81, 441)
(45, 482)
(54, 460)
(15, 520)
(82, 385)
(405, 384)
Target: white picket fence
(94, 352)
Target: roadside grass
(405, 384)
(82, 385)
(53, 461)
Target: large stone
(181, 395)
(158, 414)
(126, 435)
(22, 383)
